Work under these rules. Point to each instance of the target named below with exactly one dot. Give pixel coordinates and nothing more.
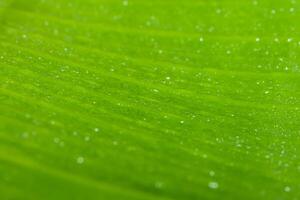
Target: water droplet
(55, 32)
(287, 189)
(213, 185)
(211, 173)
(80, 160)
(56, 140)
(87, 138)
(125, 3)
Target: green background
(149, 99)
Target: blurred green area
(161, 99)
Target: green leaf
(149, 100)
